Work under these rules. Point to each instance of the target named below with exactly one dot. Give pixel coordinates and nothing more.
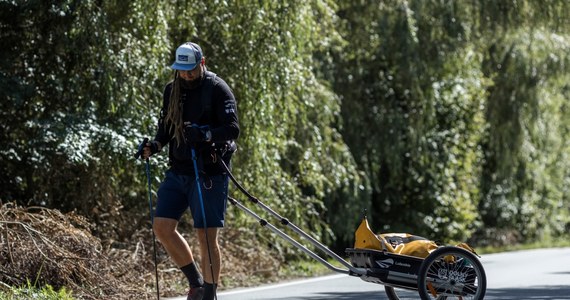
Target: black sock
(194, 277)
(209, 291)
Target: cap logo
(183, 58)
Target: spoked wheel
(452, 273)
(391, 293)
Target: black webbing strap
(208, 83)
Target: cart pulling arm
(284, 221)
(282, 234)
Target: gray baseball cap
(188, 56)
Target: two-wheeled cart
(448, 272)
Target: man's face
(193, 76)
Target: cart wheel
(391, 292)
(452, 273)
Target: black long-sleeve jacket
(222, 120)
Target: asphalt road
(531, 274)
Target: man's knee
(163, 227)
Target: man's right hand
(148, 148)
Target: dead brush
(46, 247)
(41, 246)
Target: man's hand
(196, 134)
(148, 148)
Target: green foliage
(526, 144)
(75, 77)
(441, 118)
(413, 93)
(96, 86)
(443, 108)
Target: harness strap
(208, 86)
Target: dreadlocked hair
(174, 115)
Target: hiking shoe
(196, 293)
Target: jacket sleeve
(163, 134)
(225, 109)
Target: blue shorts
(178, 192)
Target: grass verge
(28, 291)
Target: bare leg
(174, 243)
(214, 252)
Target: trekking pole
(194, 158)
(137, 155)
